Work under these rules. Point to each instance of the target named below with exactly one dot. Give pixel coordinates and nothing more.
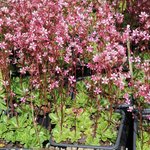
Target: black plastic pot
(136, 123)
(119, 144)
(128, 125)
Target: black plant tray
(145, 112)
(117, 146)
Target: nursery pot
(136, 126)
(119, 144)
(129, 125)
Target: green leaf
(9, 136)
(104, 138)
(95, 141)
(13, 122)
(3, 128)
(54, 118)
(32, 131)
(89, 131)
(81, 99)
(102, 126)
(4, 119)
(108, 133)
(89, 140)
(2, 105)
(74, 137)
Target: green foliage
(143, 143)
(79, 121)
(2, 95)
(84, 126)
(20, 87)
(21, 129)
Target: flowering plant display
(45, 41)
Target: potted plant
(76, 122)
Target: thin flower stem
(33, 119)
(129, 59)
(35, 125)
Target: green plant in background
(143, 137)
(23, 129)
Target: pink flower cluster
(46, 35)
(51, 37)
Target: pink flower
(1, 22)
(51, 59)
(67, 59)
(119, 17)
(23, 99)
(148, 117)
(4, 9)
(143, 16)
(5, 83)
(72, 79)
(3, 45)
(126, 34)
(137, 59)
(23, 70)
(12, 94)
(130, 109)
(97, 90)
(90, 48)
(59, 40)
(15, 105)
(58, 70)
(88, 86)
(32, 46)
(114, 76)
(126, 96)
(105, 80)
(96, 58)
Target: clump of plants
(20, 129)
(82, 120)
(44, 42)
